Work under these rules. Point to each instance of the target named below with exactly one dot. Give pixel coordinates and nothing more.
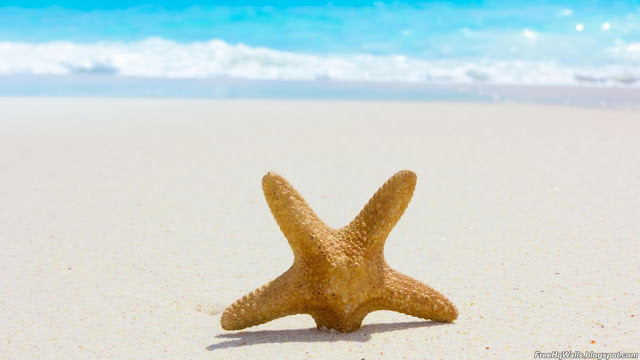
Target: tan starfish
(338, 276)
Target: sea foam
(161, 58)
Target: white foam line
(160, 58)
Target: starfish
(338, 276)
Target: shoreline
(97, 86)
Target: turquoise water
(575, 43)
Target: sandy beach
(128, 225)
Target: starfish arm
(299, 224)
(376, 220)
(281, 297)
(409, 296)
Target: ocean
(111, 48)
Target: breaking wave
(160, 58)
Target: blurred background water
(543, 43)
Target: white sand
(127, 226)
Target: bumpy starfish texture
(338, 276)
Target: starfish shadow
(246, 338)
